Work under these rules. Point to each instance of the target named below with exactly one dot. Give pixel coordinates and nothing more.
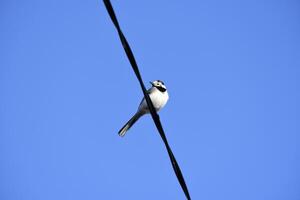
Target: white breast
(159, 100)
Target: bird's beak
(151, 83)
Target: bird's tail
(127, 126)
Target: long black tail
(127, 126)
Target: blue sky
(232, 69)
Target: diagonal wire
(153, 112)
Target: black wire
(153, 112)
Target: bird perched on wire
(159, 96)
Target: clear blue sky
(233, 119)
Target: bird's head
(159, 85)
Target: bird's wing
(148, 91)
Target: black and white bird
(159, 96)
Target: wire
(153, 112)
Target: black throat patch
(161, 88)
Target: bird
(159, 96)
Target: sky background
(232, 69)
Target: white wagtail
(159, 96)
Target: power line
(153, 112)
